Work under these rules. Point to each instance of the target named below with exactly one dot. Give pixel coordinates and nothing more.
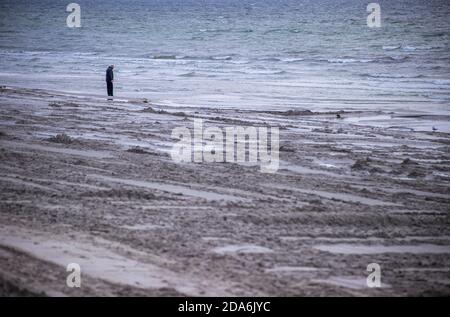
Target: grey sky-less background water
(256, 54)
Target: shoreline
(416, 120)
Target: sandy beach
(91, 182)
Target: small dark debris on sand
(140, 150)
(151, 110)
(61, 138)
(292, 112)
(408, 161)
(62, 104)
(137, 150)
(160, 111)
(286, 148)
(361, 164)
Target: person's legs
(109, 86)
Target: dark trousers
(109, 87)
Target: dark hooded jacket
(109, 74)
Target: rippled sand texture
(108, 196)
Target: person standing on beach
(110, 81)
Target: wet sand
(110, 198)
